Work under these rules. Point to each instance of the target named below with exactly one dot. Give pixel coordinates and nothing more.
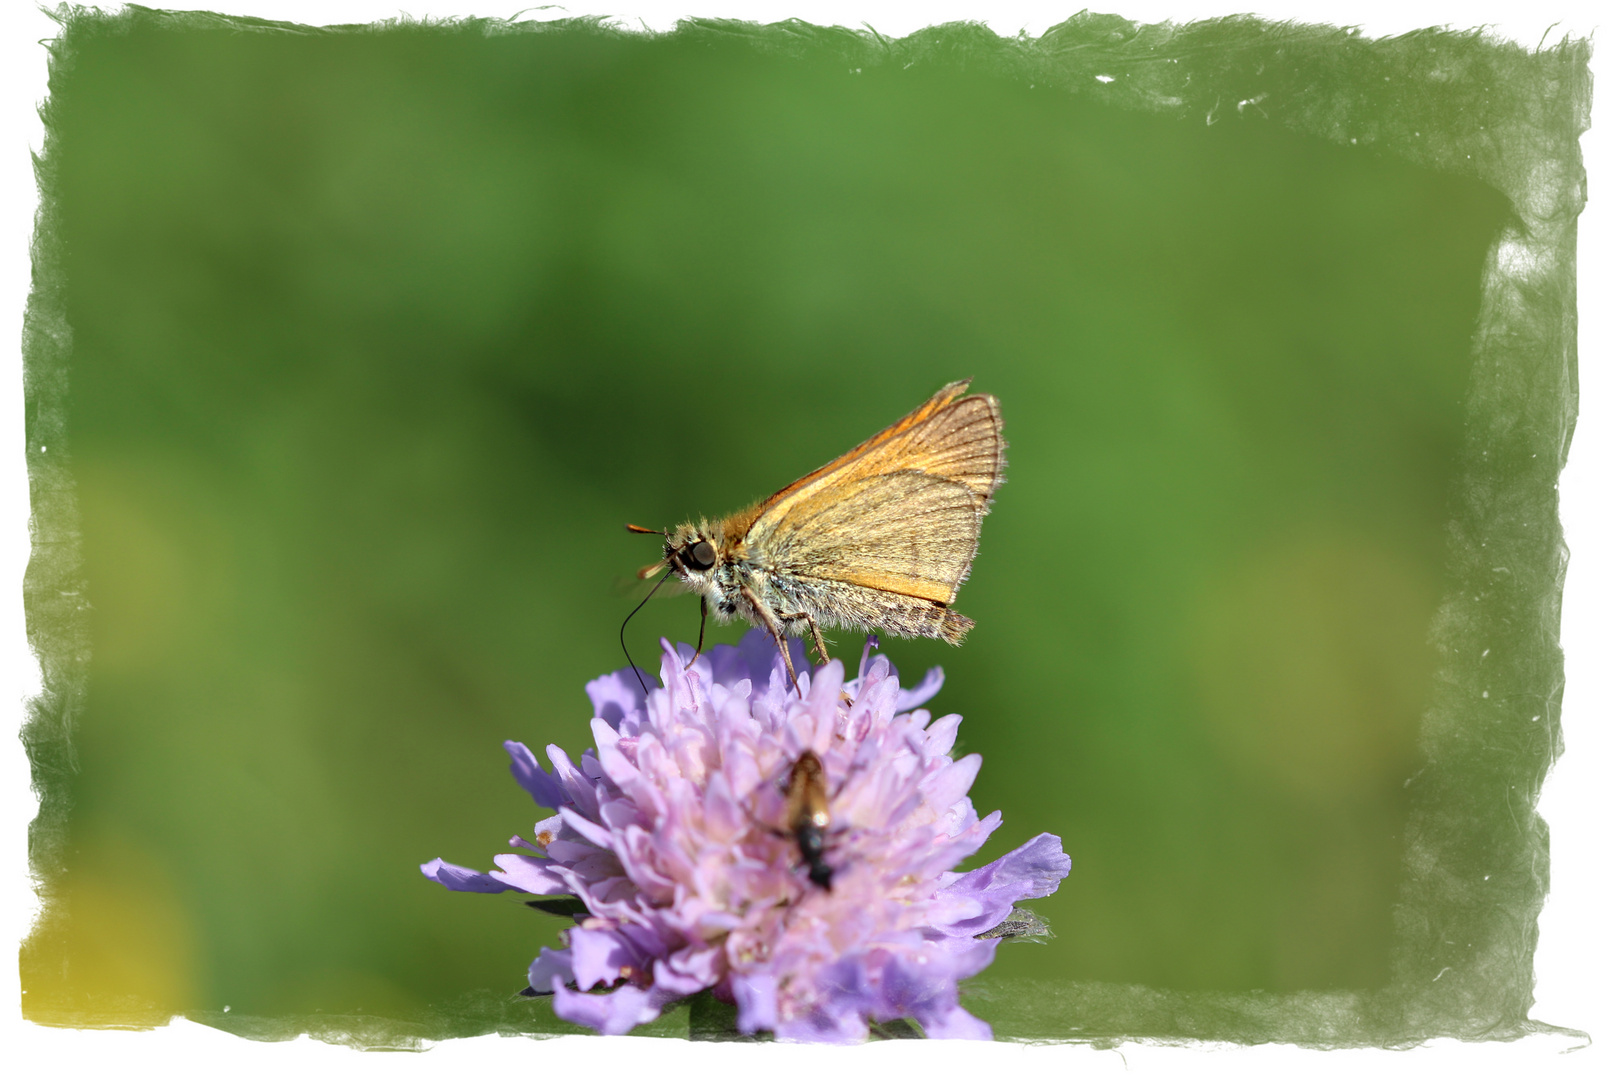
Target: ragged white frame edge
(1578, 955)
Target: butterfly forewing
(902, 532)
(928, 410)
(962, 442)
(901, 512)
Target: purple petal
(680, 689)
(614, 763)
(910, 989)
(618, 695)
(946, 787)
(648, 940)
(756, 1002)
(529, 873)
(941, 735)
(754, 657)
(728, 665)
(923, 691)
(690, 970)
(609, 1014)
(758, 655)
(955, 1023)
(845, 985)
(590, 830)
(577, 789)
(866, 652)
(970, 957)
(461, 879)
(622, 814)
(927, 990)
(819, 1027)
(532, 778)
(1035, 869)
(600, 957)
(592, 869)
(551, 963)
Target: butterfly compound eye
(702, 554)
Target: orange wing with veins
(900, 512)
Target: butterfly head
(692, 551)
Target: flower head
(685, 835)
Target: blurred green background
(379, 338)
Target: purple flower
(676, 835)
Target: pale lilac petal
(532, 778)
(822, 1028)
(550, 964)
(847, 985)
(971, 957)
(945, 787)
(753, 658)
(610, 1014)
(590, 767)
(646, 938)
(529, 873)
(954, 1023)
(600, 957)
(690, 970)
(570, 851)
(728, 666)
(680, 682)
(597, 866)
(924, 691)
(912, 988)
(577, 788)
(941, 735)
(462, 879)
(621, 814)
(617, 695)
(619, 770)
(590, 830)
(756, 1002)
(866, 656)
(1032, 870)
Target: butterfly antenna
(703, 617)
(626, 623)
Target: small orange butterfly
(880, 538)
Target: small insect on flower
(878, 539)
(807, 815)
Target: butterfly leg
(703, 619)
(821, 646)
(773, 626)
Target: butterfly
(878, 539)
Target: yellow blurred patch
(115, 945)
